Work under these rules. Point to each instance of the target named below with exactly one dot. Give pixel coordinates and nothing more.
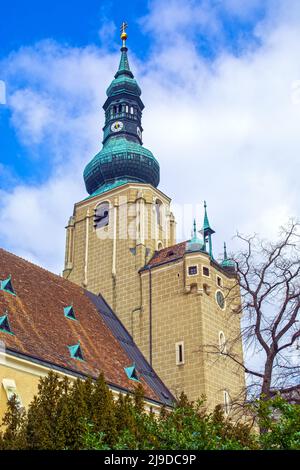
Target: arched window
(127, 108)
(131, 109)
(114, 109)
(101, 217)
(227, 402)
(160, 245)
(158, 209)
(222, 343)
(120, 108)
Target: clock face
(139, 132)
(117, 126)
(220, 299)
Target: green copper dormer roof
(195, 244)
(227, 263)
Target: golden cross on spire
(124, 26)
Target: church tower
(121, 243)
(125, 218)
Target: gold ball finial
(124, 36)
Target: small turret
(207, 232)
(227, 263)
(195, 244)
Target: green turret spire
(206, 225)
(124, 68)
(195, 244)
(207, 232)
(225, 251)
(227, 263)
(195, 229)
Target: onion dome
(227, 263)
(122, 158)
(195, 244)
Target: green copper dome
(195, 244)
(227, 263)
(122, 157)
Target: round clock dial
(220, 299)
(117, 126)
(139, 132)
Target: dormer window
(76, 352)
(132, 373)
(4, 324)
(69, 312)
(6, 286)
(101, 217)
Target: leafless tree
(268, 275)
(268, 280)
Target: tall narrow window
(101, 217)
(131, 109)
(179, 348)
(205, 271)
(227, 403)
(222, 343)
(127, 109)
(158, 209)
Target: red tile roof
(170, 253)
(43, 333)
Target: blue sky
(220, 82)
(80, 24)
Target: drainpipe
(87, 220)
(114, 272)
(150, 316)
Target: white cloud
(225, 131)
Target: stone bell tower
(121, 243)
(125, 218)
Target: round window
(220, 299)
